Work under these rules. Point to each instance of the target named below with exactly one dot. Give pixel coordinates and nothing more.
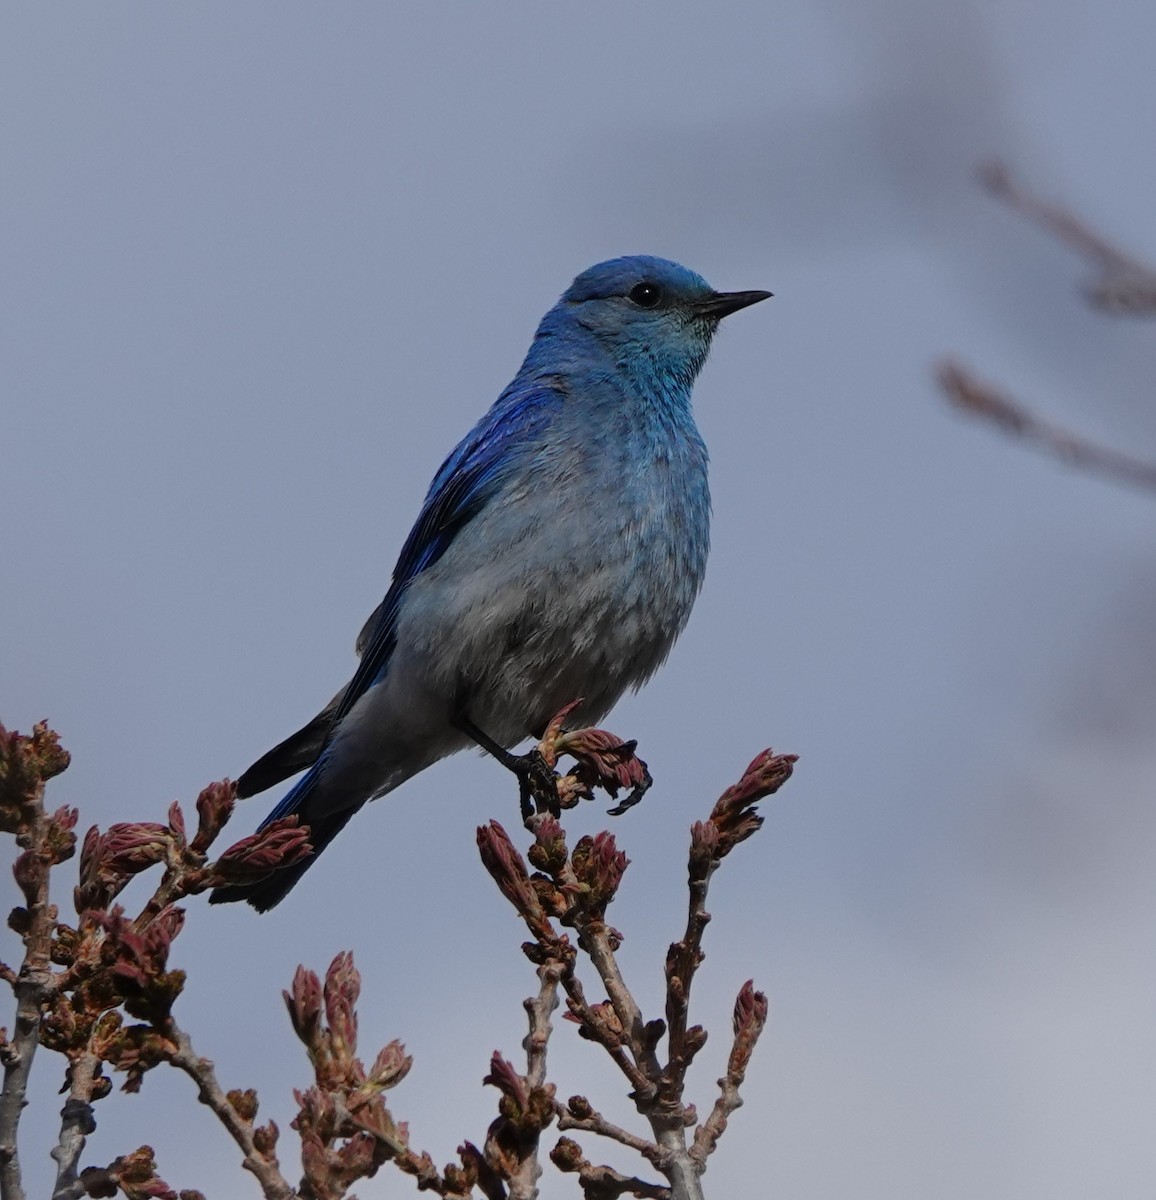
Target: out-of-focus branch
(1125, 285)
(980, 399)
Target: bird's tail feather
(323, 828)
(297, 752)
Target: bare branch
(76, 1123)
(33, 990)
(539, 1009)
(575, 888)
(523, 1179)
(595, 940)
(133, 1174)
(603, 1183)
(26, 763)
(579, 1114)
(566, 896)
(1125, 286)
(732, 820)
(255, 1143)
(595, 1023)
(979, 399)
(750, 1017)
(116, 968)
(346, 1130)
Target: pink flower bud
(503, 1076)
(304, 1004)
(733, 815)
(548, 853)
(507, 867)
(342, 987)
(177, 823)
(214, 808)
(549, 743)
(390, 1067)
(750, 1016)
(60, 841)
(28, 870)
(703, 844)
(133, 846)
(280, 844)
(598, 866)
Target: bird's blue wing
(472, 474)
(465, 482)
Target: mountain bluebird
(557, 555)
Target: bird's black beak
(721, 304)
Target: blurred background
(264, 263)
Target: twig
(979, 399)
(597, 1028)
(34, 988)
(524, 1176)
(603, 865)
(263, 1164)
(539, 1009)
(733, 819)
(25, 765)
(750, 1017)
(346, 1102)
(604, 1183)
(594, 938)
(682, 961)
(76, 1123)
(1126, 285)
(112, 963)
(578, 1114)
(168, 890)
(576, 887)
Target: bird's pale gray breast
(575, 581)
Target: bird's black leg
(537, 780)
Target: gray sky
(263, 265)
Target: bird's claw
(537, 785)
(640, 790)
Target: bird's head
(649, 314)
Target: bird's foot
(537, 784)
(604, 761)
(538, 790)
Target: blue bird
(557, 555)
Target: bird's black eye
(646, 295)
